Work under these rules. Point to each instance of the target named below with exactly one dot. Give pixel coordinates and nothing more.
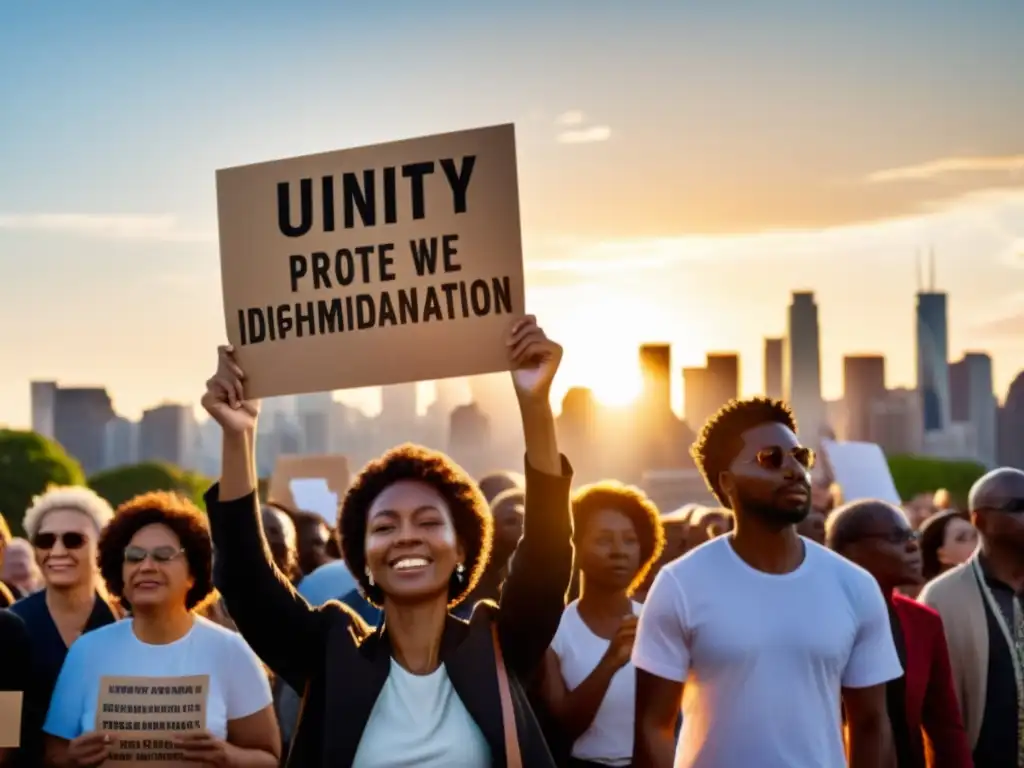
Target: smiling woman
(426, 687)
(413, 486)
(64, 525)
(157, 559)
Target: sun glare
(601, 353)
(621, 385)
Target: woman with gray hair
(63, 524)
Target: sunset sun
(617, 385)
(602, 343)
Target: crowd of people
(516, 621)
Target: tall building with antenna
(932, 349)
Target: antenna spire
(931, 270)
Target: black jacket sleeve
(533, 596)
(279, 625)
(16, 664)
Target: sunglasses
(898, 537)
(773, 458)
(136, 555)
(1010, 506)
(70, 540)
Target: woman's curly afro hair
(471, 516)
(634, 504)
(183, 518)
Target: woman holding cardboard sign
(164, 685)
(426, 688)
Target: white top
(609, 739)
(764, 657)
(238, 682)
(419, 721)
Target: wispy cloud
(949, 165)
(575, 130)
(161, 227)
(585, 135)
(989, 224)
(570, 118)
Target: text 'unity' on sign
(396, 262)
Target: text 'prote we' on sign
(378, 265)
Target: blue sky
(737, 151)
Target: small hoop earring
(369, 576)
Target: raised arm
(533, 596)
(261, 601)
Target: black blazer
(340, 665)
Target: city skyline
(460, 389)
(674, 187)
(371, 400)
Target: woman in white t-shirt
(156, 558)
(589, 683)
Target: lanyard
(1016, 645)
(1010, 637)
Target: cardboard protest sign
(313, 483)
(861, 470)
(10, 718)
(144, 715)
(379, 265)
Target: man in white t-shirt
(771, 633)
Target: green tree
(122, 483)
(923, 474)
(29, 463)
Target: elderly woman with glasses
(64, 525)
(156, 559)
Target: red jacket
(933, 715)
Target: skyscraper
(656, 367)
(723, 377)
(933, 355)
(165, 434)
(973, 401)
(1011, 425)
(707, 389)
(863, 384)
(44, 396)
(802, 377)
(774, 349)
(80, 417)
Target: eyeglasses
(70, 540)
(773, 458)
(136, 555)
(1011, 506)
(898, 536)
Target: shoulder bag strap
(513, 758)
